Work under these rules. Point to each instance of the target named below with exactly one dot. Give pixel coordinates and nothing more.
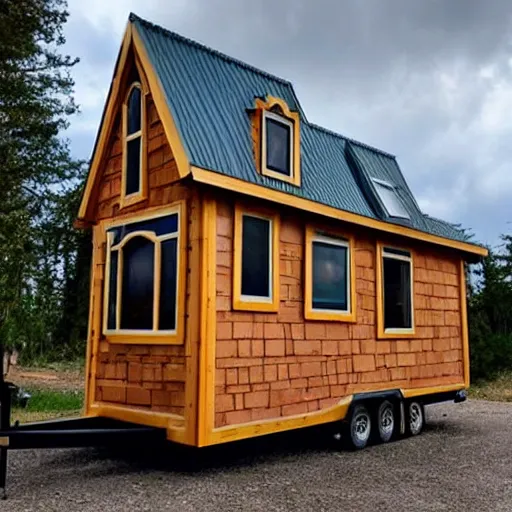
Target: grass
(46, 404)
(498, 389)
(47, 400)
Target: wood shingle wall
(277, 364)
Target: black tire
(358, 428)
(385, 422)
(414, 418)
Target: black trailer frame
(63, 433)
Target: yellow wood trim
(108, 120)
(206, 412)
(228, 183)
(162, 107)
(381, 333)
(137, 338)
(90, 328)
(142, 194)
(309, 312)
(294, 118)
(146, 214)
(173, 423)
(4, 442)
(154, 336)
(464, 323)
(337, 412)
(272, 426)
(415, 392)
(96, 305)
(193, 320)
(151, 83)
(239, 303)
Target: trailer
(252, 272)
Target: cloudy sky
(429, 81)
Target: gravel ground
(462, 461)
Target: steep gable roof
(209, 96)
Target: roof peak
(134, 18)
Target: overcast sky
(429, 81)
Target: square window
(329, 285)
(397, 290)
(390, 199)
(256, 253)
(330, 276)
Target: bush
(490, 355)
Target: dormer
(276, 137)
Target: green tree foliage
(39, 180)
(490, 313)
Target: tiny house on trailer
(253, 272)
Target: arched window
(143, 275)
(133, 130)
(138, 284)
(277, 137)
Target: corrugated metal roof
(209, 95)
(370, 165)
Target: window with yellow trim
(143, 276)
(397, 289)
(278, 140)
(133, 179)
(396, 293)
(256, 265)
(330, 293)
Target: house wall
(145, 376)
(271, 365)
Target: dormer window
(133, 185)
(277, 140)
(390, 199)
(278, 155)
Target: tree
(490, 313)
(36, 168)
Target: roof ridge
(350, 140)
(133, 17)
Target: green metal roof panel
(209, 95)
(445, 229)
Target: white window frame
(399, 257)
(257, 298)
(339, 243)
(283, 120)
(157, 240)
(393, 189)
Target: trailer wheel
(386, 421)
(415, 418)
(359, 428)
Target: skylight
(390, 199)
